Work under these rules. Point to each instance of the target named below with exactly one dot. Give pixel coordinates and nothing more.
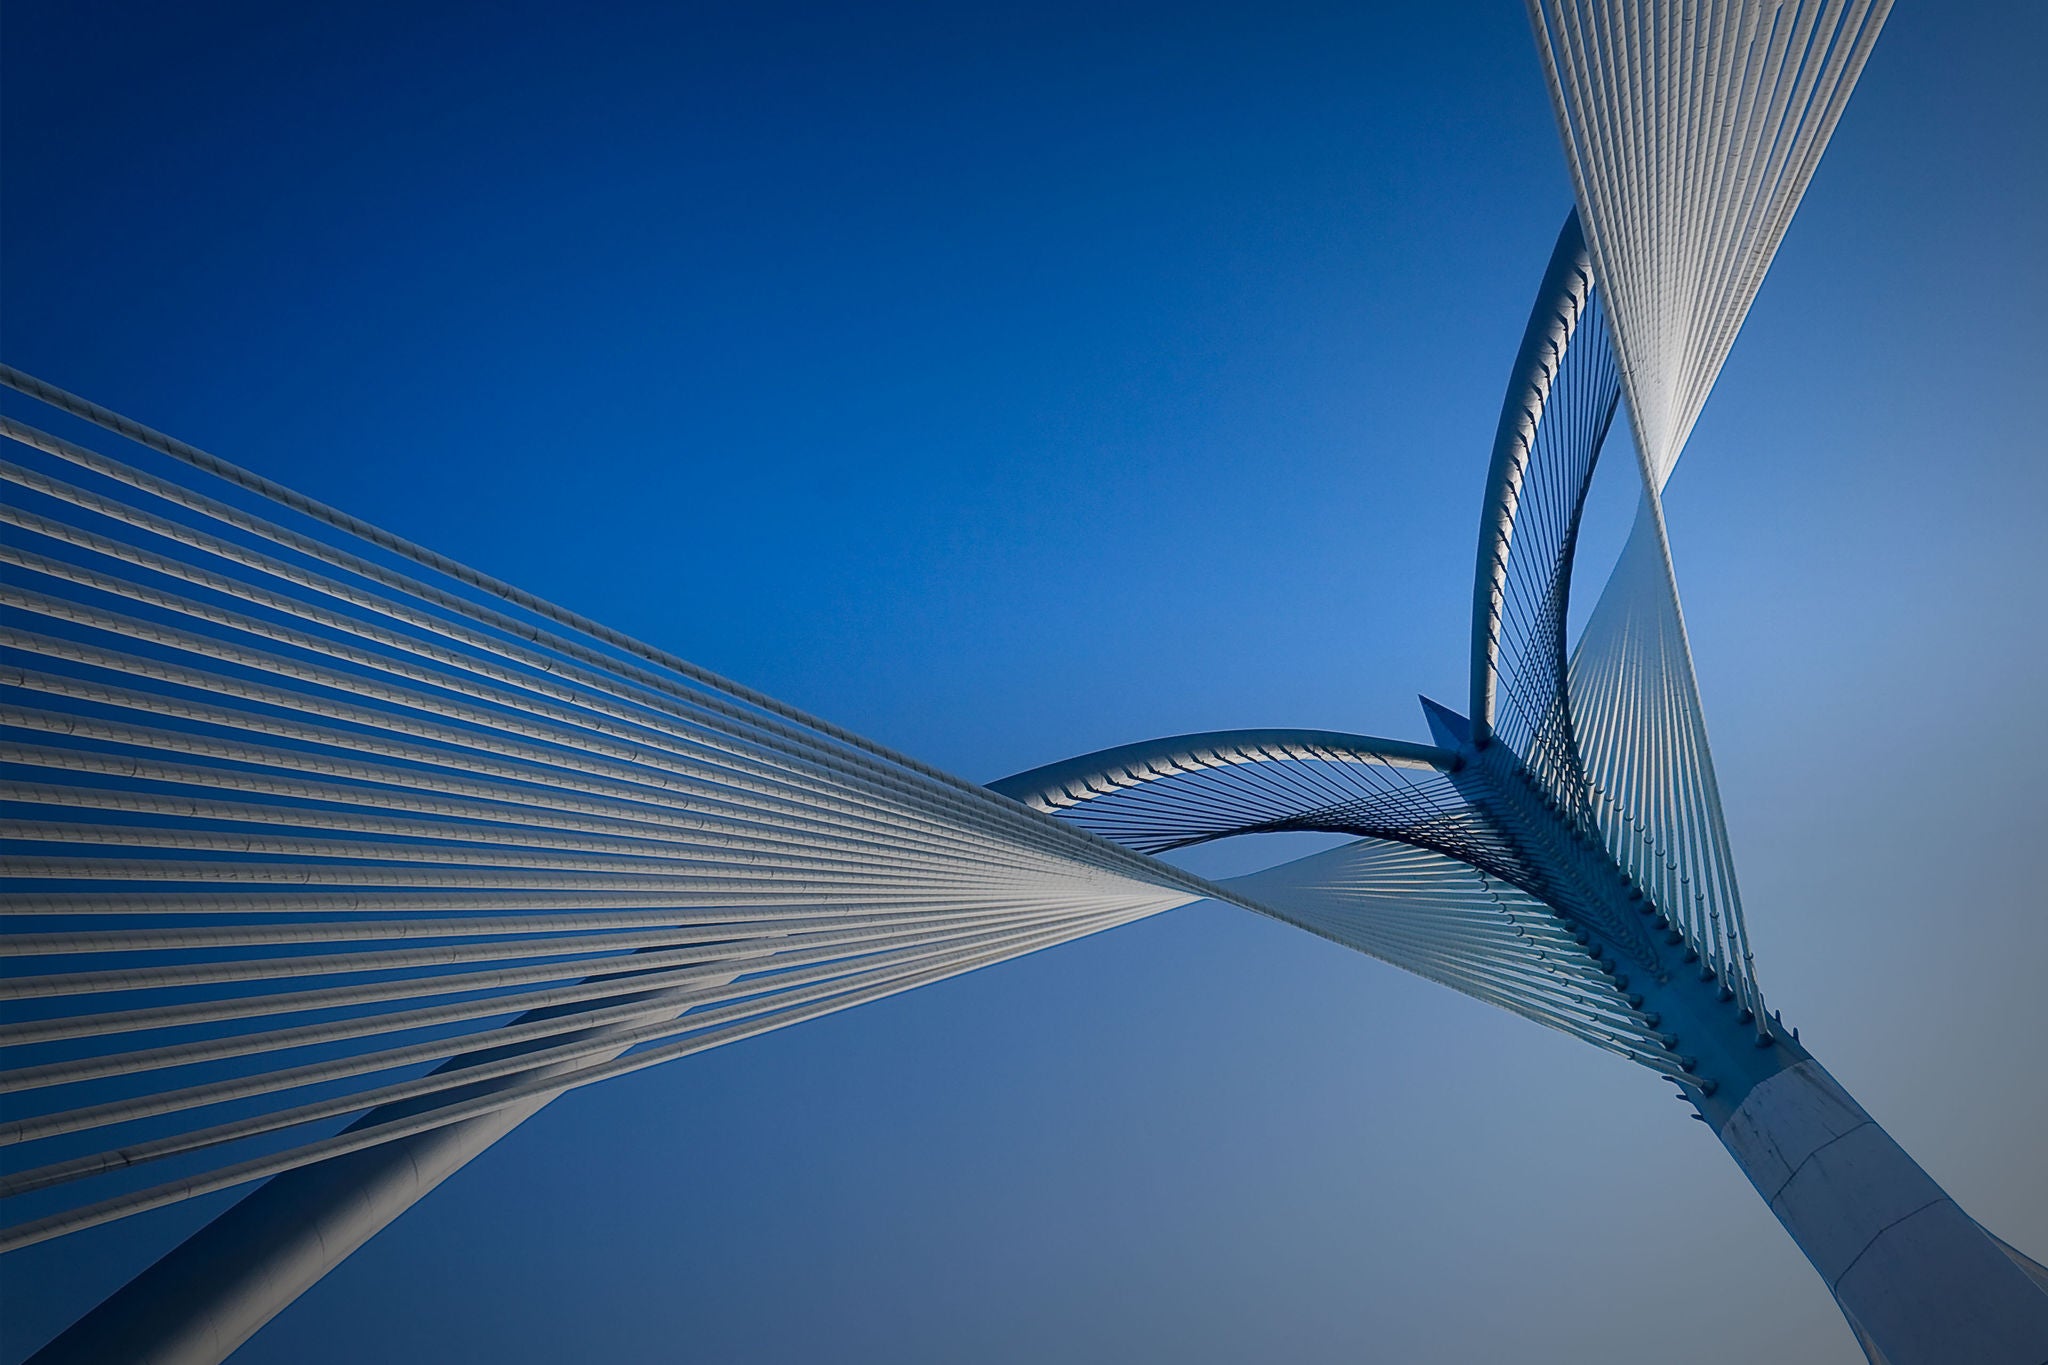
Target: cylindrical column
(217, 1288)
(1919, 1281)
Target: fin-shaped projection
(1458, 926)
(1643, 738)
(1691, 132)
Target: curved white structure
(330, 828)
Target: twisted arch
(1560, 405)
(1163, 794)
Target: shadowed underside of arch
(1171, 793)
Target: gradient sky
(1007, 383)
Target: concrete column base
(1919, 1281)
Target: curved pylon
(322, 824)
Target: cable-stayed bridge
(313, 827)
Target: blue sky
(1007, 384)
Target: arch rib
(1069, 782)
(1562, 301)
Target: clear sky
(1004, 382)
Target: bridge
(333, 859)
